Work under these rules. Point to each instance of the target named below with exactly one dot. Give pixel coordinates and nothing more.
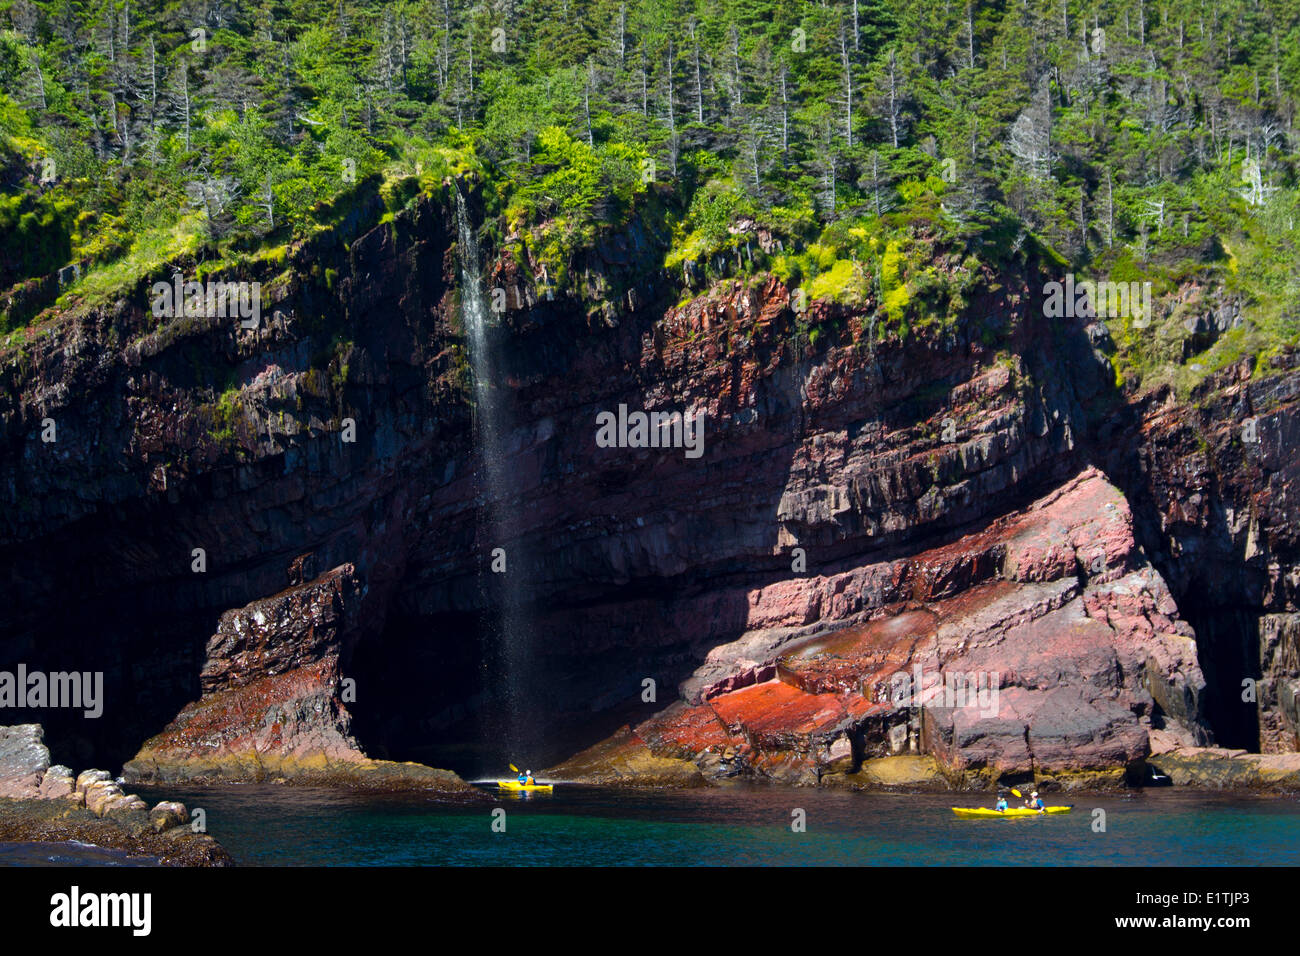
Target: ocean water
(69, 853)
(740, 826)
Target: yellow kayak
(970, 812)
(516, 785)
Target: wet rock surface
(1216, 768)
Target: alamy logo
(651, 430)
(947, 689)
(1089, 299)
(213, 300)
(73, 909)
(37, 689)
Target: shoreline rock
(625, 760)
(1215, 768)
(316, 770)
(40, 803)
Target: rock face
(272, 707)
(1279, 687)
(855, 482)
(24, 759)
(1216, 483)
(1041, 647)
(43, 803)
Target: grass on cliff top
(1260, 338)
(121, 257)
(149, 252)
(1153, 357)
(152, 250)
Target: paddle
(1018, 793)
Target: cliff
(868, 499)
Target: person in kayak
(1035, 802)
(528, 778)
(1002, 803)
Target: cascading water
(508, 644)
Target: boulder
(58, 782)
(168, 814)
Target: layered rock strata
(1043, 647)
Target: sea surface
(69, 853)
(740, 826)
(745, 825)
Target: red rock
(833, 448)
(777, 716)
(684, 732)
(1042, 644)
(272, 708)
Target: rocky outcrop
(193, 435)
(1042, 647)
(202, 458)
(24, 761)
(905, 772)
(273, 707)
(43, 803)
(625, 759)
(1216, 768)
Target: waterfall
(508, 640)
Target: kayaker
(1002, 803)
(529, 778)
(1035, 803)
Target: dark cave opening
(94, 599)
(429, 690)
(145, 671)
(1227, 643)
(1212, 585)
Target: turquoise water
(742, 826)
